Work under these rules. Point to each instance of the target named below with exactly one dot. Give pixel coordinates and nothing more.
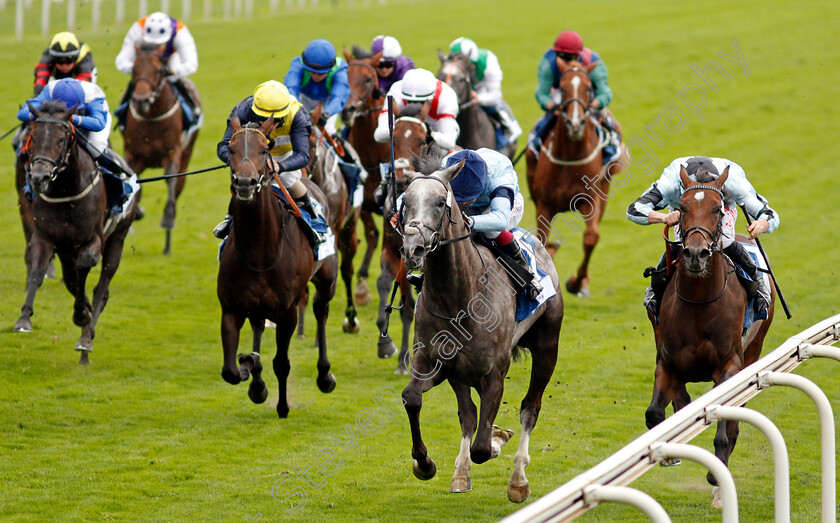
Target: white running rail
(667, 440)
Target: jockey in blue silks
(319, 76)
(487, 190)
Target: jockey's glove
(322, 120)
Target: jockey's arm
(95, 118)
(603, 93)
(445, 132)
(294, 77)
(381, 134)
(340, 92)
(644, 211)
(489, 90)
(545, 79)
(299, 135)
(498, 218)
(184, 45)
(24, 115)
(42, 71)
(127, 55)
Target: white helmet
(391, 48)
(464, 47)
(418, 85)
(157, 29)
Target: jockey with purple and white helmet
(487, 83)
(393, 65)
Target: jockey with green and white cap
(487, 84)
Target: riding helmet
(418, 85)
(464, 47)
(390, 47)
(157, 29)
(65, 45)
(469, 183)
(271, 98)
(69, 91)
(701, 163)
(568, 42)
(319, 56)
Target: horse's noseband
(265, 174)
(59, 164)
(437, 238)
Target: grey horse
(465, 330)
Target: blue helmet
(469, 184)
(319, 56)
(69, 91)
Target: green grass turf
(149, 431)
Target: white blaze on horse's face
(407, 134)
(576, 112)
(425, 204)
(699, 195)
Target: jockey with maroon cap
(568, 46)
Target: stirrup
(533, 289)
(222, 230)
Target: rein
(369, 92)
(62, 162)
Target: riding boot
(658, 281)
(513, 130)
(114, 163)
(739, 255)
(121, 111)
(315, 212)
(532, 287)
(222, 230)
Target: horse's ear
(722, 178)
(410, 175)
(347, 55)
(235, 124)
(137, 48)
(377, 57)
(686, 181)
(424, 112)
(69, 112)
(591, 67)
(562, 64)
(441, 56)
(450, 173)
(268, 126)
(160, 50)
(35, 112)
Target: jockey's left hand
(322, 120)
(393, 220)
(757, 227)
(276, 166)
(595, 104)
(474, 96)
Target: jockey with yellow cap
(291, 143)
(65, 57)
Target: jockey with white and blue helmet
(319, 76)
(487, 84)
(737, 190)
(393, 65)
(487, 190)
(91, 116)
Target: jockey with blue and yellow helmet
(319, 76)
(290, 152)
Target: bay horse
(412, 140)
(154, 126)
(568, 175)
(360, 115)
(265, 268)
(477, 129)
(326, 173)
(68, 218)
(466, 296)
(699, 333)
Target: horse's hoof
(23, 325)
(670, 462)
(84, 359)
(231, 377)
(50, 271)
(401, 370)
(387, 348)
(460, 484)
(362, 293)
(351, 327)
(258, 393)
(518, 494)
(717, 501)
(282, 412)
(583, 293)
(326, 385)
(425, 476)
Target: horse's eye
(440, 204)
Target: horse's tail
(517, 352)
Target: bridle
(712, 243)
(437, 238)
(63, 158)
(365, 98)
(587, 106)
(157, 84)
(467, 84)
(266, 174)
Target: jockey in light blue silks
(667, 191)
(92, 119)
(487, 190)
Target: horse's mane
(429, 161)
(361, 52)
(53, 106)
(412, 110)
(146, 47)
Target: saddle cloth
(524, 306)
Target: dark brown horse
(153, 130)
(265, 268)
(698, 337)
(360, 114)
(68, 218)
(568, 174)
(326, 173)
(465, 331)
(477, 130)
